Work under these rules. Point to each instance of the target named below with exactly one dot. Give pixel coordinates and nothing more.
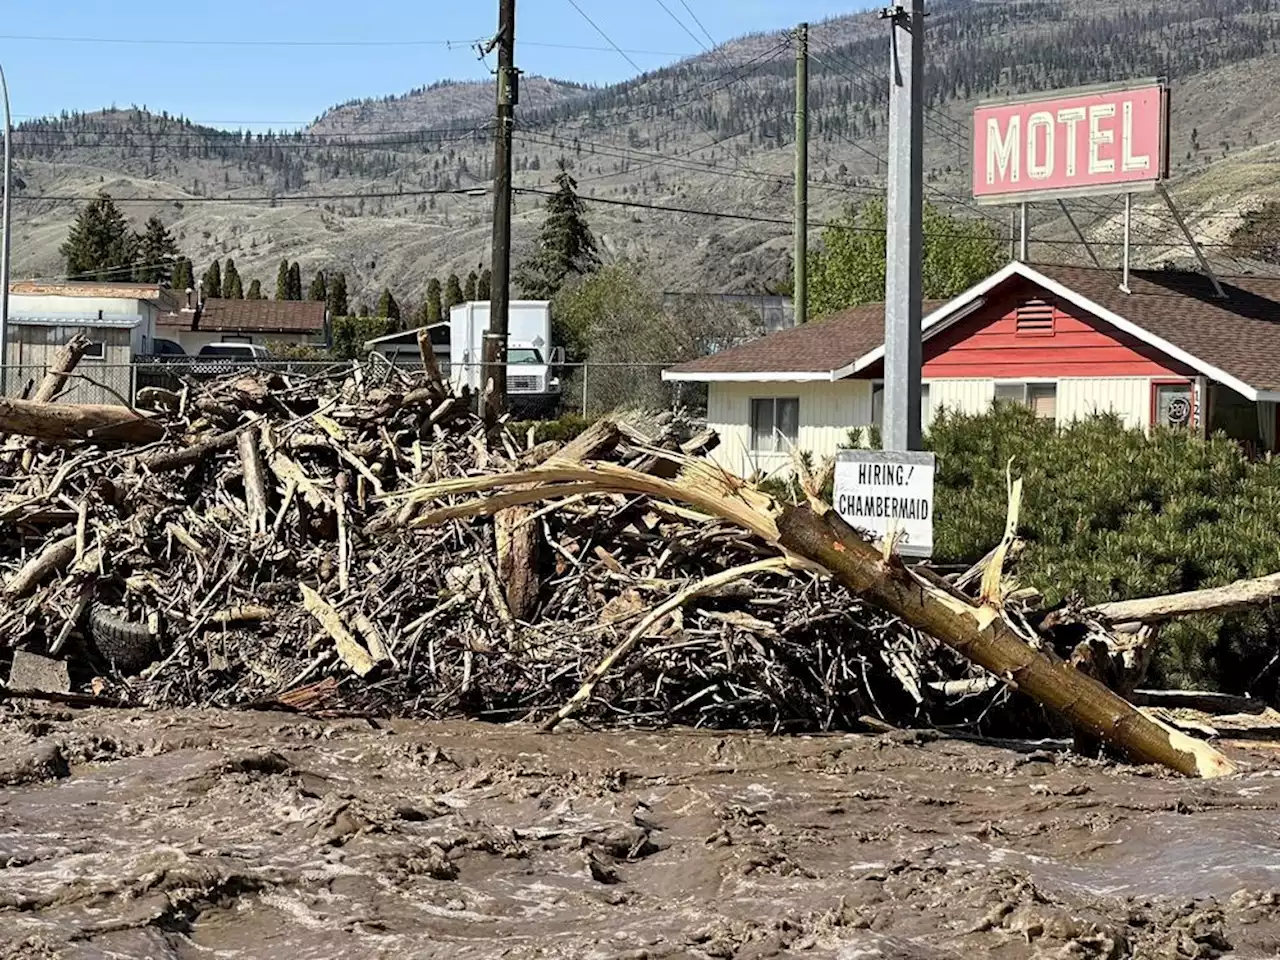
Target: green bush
(563, 430)
(1110, 513)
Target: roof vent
(1034, 318)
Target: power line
(187, 42)
(271, 201)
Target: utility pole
(4, 237)
(904, 243)
(802, 175)
(493, 372)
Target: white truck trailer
(533, 389)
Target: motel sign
(1110, 139)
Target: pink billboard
(1056, 145)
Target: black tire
(127, 645)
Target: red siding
(987, 345)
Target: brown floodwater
(187, 834)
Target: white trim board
(825, 376)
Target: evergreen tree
(282, 281)
(362, 310)
(484, 287)
(319, 289)
(184, 276)
(232, 286)
(469, 290)
(211, 282)
(100, 245)
(453, 292)
(565, 248)
(387, 306)
(294, 289)
(255, 290)
(338, 296)
(433, 307)
(157, 254)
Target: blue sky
(273, 85)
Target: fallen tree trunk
(65, 359)
(978, 633)
(89, 421)
(1234, 596)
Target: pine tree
(338, 305)
(255, 290)
(387, 306)
(319, 289)
(184, 276)
(484, 287)
(453, 292)
(565, 247)
(157, 254)
(294, 289)
(232, 285)
(211, 282)
(100, 245)
(433, 307)
(469, 290)
(282, 281)
(362, 310)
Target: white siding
(1081, 397)
(961, 396)
(828, 411)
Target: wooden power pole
(493, 373)
(802, 175)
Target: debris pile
(253, 542)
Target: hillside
(391, 189)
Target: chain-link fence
(588, 389)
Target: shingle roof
(1240, 335)
(818, 347)
(262, 316)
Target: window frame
(774, 433)
(926, 404)
(1026, 385)
(1190, 386)
(100, 354)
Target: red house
(1066, 341)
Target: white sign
(885, 493)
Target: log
(428, 355)
(52, 558)
(982, 636)
(162, 461)
(349, 649)
(255, 481)
(64, 361)
(1233, 596)
(84, 421)
(517, 543)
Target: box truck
(533, 388)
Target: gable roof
(812, 351)
(1235, 341)
(261, 316)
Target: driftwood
(64, 360)
(52, 558)
(978, 633)
(1233, 596)
(255, 482)
(54, 421)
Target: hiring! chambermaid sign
(883, 492)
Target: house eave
(750, 376)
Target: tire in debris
(129, 646)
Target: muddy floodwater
(216, 835)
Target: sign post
(888, 493)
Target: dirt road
(195, 835)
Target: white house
(1067, 341)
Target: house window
(1034, 319)
(97, 350)
(1174, 405)
(1040, 398)
(775, 424)
(877, 405)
